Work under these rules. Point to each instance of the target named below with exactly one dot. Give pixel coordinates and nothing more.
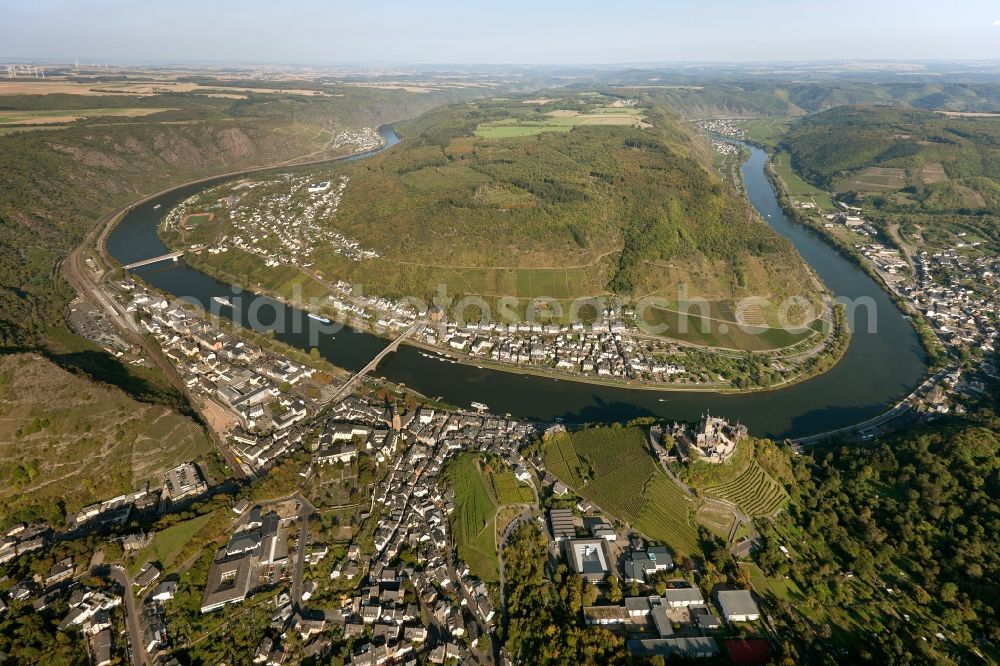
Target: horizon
(449, 33)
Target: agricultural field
(710, 332)
(798, 187)
(507, 489)
(766, 131)
(932, 172)
(64, 116)
(561, 459)
(560, 120)
(608, 466)
(876, 178)
(754, 491)
(667, 515)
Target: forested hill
(746, 96)
(618, 189)
(828, 147)
(914, 520)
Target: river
(877, 370)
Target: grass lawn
(167, 543)
(719, 521)
(782, 589)
(196, 219)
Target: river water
(877, 370)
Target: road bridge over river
(391, 347)
(154, 260)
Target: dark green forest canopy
(842, 141)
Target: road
(391, 347)
(306, 509)
(88, 284)
(117, 573)
(900, 408)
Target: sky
(498, 32)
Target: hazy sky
(500, 31)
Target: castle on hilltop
(714, 440)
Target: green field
(779, 588)
(508, 490)
(561, 459)
(196, 219)
(711, 333)
(168, 543)
(874, 178)
(479, 493)
(667, 515)
(766, 131)
(754, 491)
(557, 121)
(608, 466)
(797, 187)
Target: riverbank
(834, 344)
(931, 344)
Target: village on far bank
(371, 523)
(948, 285)
(286, 222)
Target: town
(407, 592)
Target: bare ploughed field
(95, 88)
(143, 89)
(971, 114)
(932, 172)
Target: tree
(614, 589)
